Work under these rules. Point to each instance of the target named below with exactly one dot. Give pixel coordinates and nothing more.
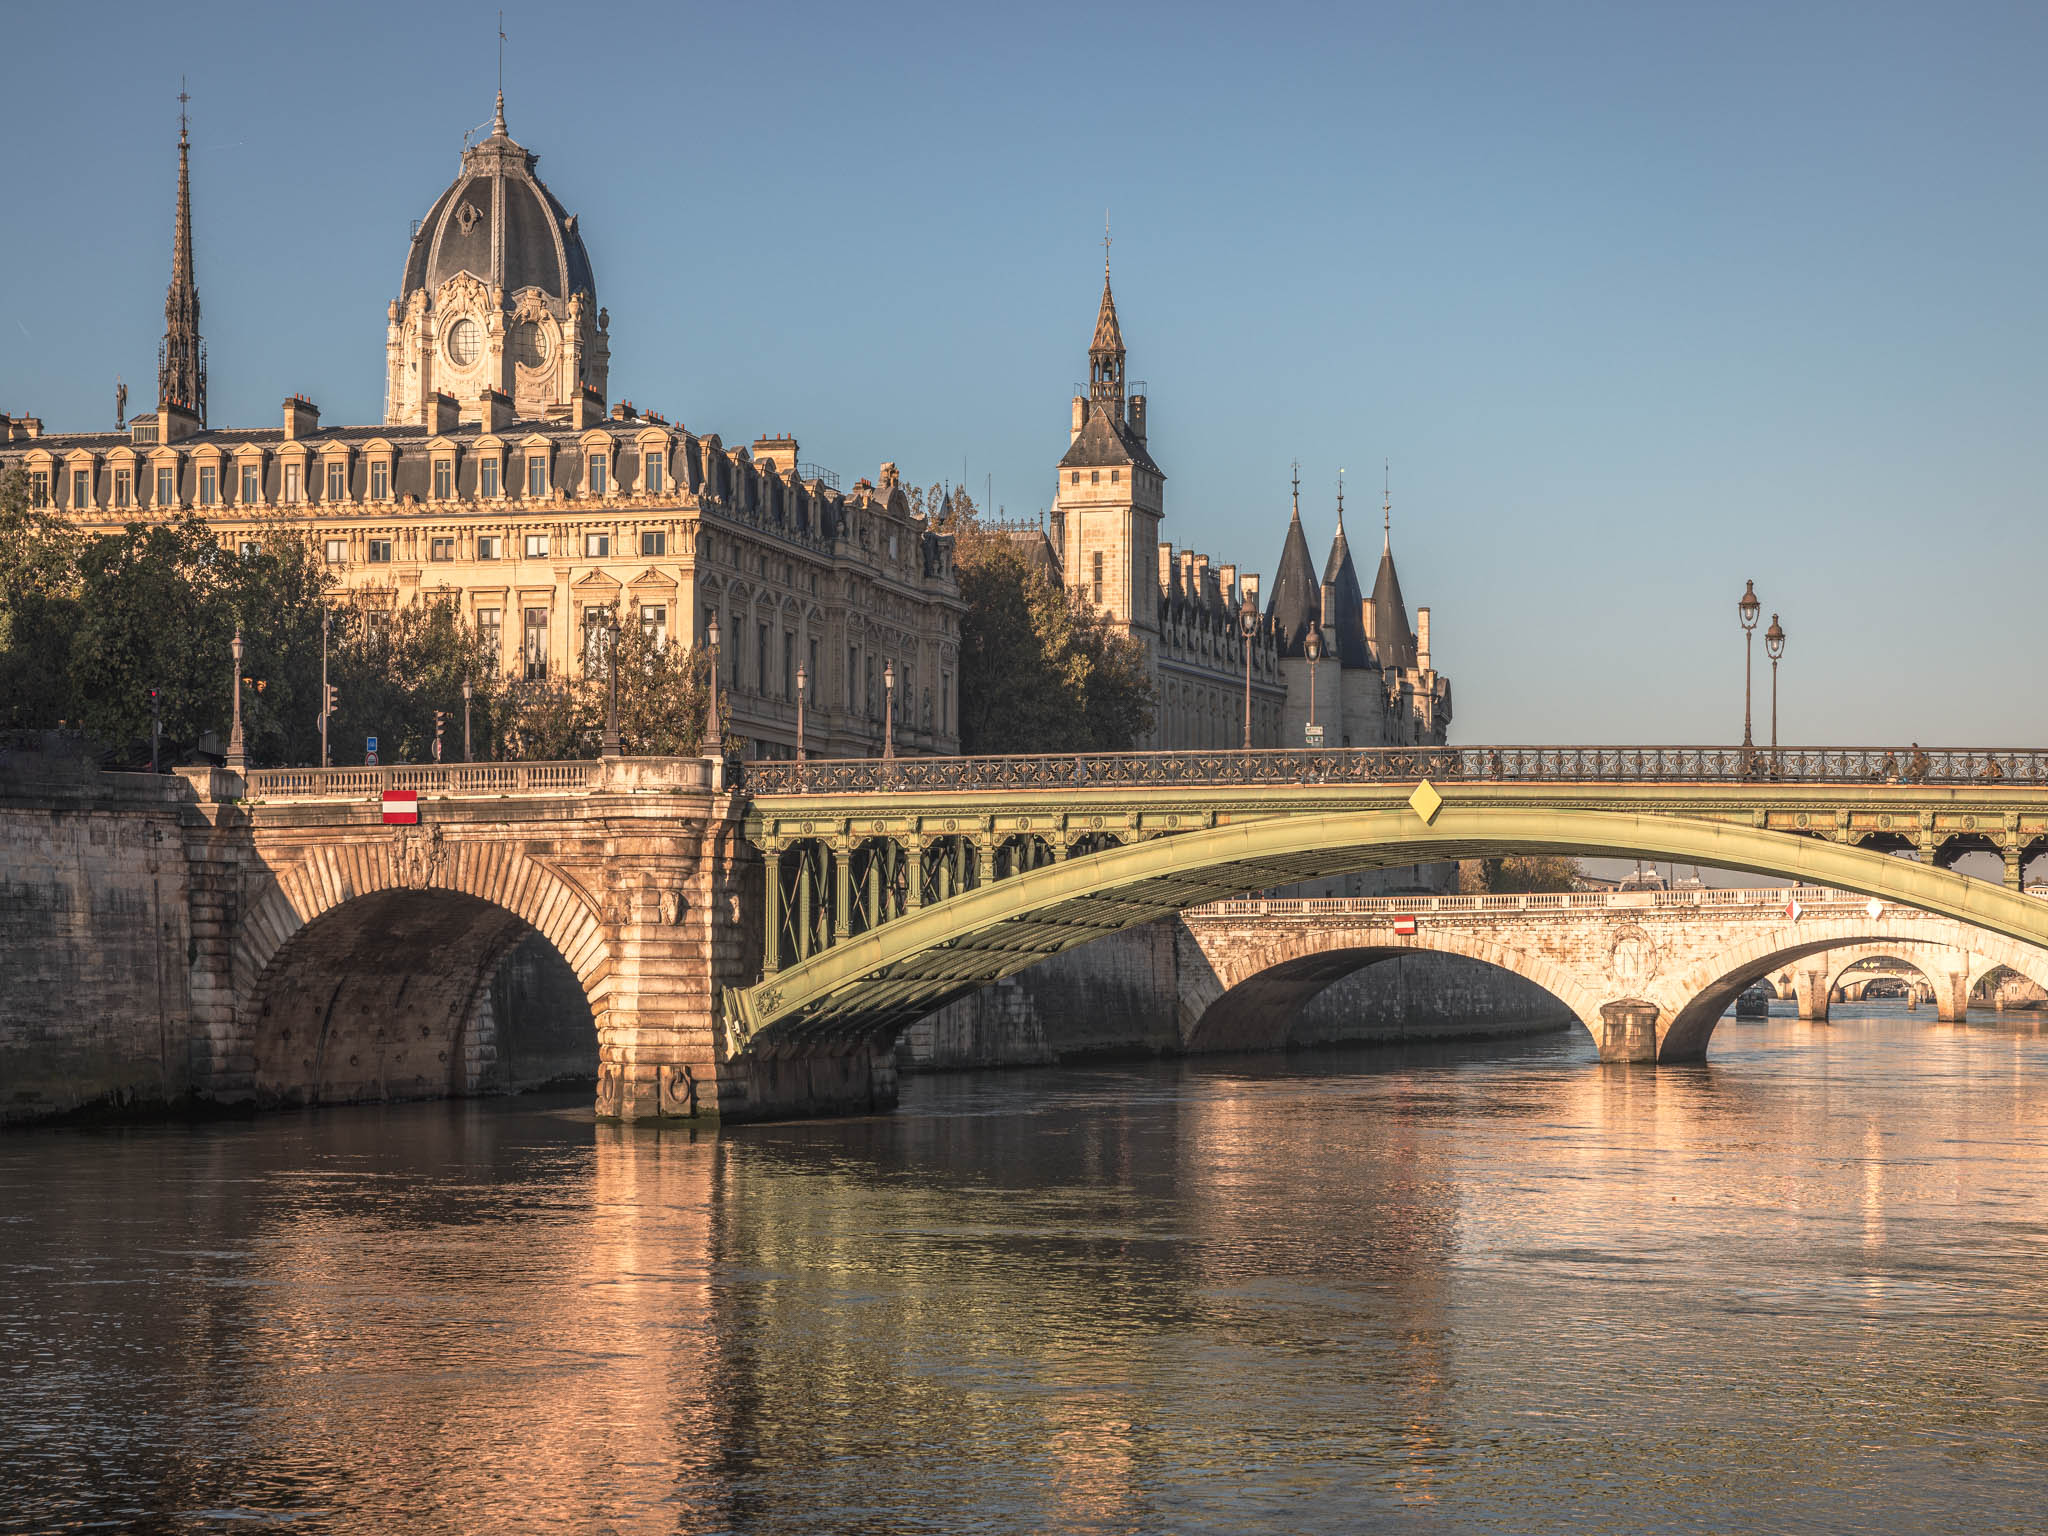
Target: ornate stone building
(500, 481)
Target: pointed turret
(1392, 638)
(1344, 602)
(1106, 354)
(181, 359)
(1106, 433)
(1296, 606)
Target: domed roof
(501, 224)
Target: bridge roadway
(750, 949)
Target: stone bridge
(1621, 961)
(752, 952)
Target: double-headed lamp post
(1747, 608)
(1774, 647)
(888, 709)
(1248, 627)
(712, 738)
(803, 679)
(1312, 648)
(610, 630)
(467, 692)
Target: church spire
(1106, 351)
(181, 359)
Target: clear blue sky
(1639, 301)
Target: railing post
(771, 915)
(842, 894)
(913, 879)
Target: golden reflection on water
(1499, 1288)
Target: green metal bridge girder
(1184, 845)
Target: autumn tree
(1518, 874)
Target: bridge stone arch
(1253, 980)
(361, 969)
(884, 979)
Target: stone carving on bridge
(677, 1091)
(1634, 958)
(417, 856)
(610, 1090)
(673, 905)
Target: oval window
(529, 344)
(465, 341)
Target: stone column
(1810, 987)
(1951, 995)
(842, 891)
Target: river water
(1485, 1288)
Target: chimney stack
(1422, 638)
(443, 412)
(301, 418)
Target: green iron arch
(908, 967)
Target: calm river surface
(1487, 1288)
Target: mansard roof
(1390, 615)
(1347, 604)
(1297, 602)
(1106, 439)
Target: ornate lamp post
(238, 759)
(1746, 609)
(803, 679)
(465, 721)
(1312, 648)
(888, 709)
(610, 624)
(1774, 647)
(1248, 627)
(712, 738)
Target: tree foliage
(1041, 670)
(1517, 874)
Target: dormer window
(166, 485)
(444, 479)
(337, 482)
(380, 481)
(252, 485)
(599, 474)
(487, 476)
(536, 475)
(124, 487)
(209, 485)
(653, 465)
(39, 488)
(292, 491)
(81, 488)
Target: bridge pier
(1810, 989)
(1628, 1031)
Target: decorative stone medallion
(1634, 958)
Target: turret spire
(1297, 491)
(181, 359)
(498, 122)
(1106, 351)
(1386, 508)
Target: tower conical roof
(1109, 336)
(1390, 615)
(1297, 602)
(1347, 603)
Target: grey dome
(501, 224)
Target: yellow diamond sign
(1426, 802)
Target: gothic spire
(1106, 351)
(181, 359)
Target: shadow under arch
(1711, 996)
(384, 997)
(1258, 1012)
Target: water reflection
(1491, 1289)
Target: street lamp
(712, 747)
(1747, 609)
(609, 627)
(802, 680)
(888, 709)
(1248, 626)
(465, 721)
(1312, 648)
(238, 759)
(1774, 647)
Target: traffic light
(440, 720)
(332, 702)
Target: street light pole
(610, 748)
(1312, 647)
(238, 759)
(713, 741)
(803, 678)
(1746, 609)
(1248, 627)
(465, 721)
(1774, 647)
(326, 617)
(888, 709)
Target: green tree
(39, 609)
(393, 668)
(1517, 874)
(664, 694)
(1040, 669)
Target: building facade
(500, 481)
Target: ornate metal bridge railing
(1366, 765)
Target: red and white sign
(401, 806)
(1405, 927)
(1793, 909)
